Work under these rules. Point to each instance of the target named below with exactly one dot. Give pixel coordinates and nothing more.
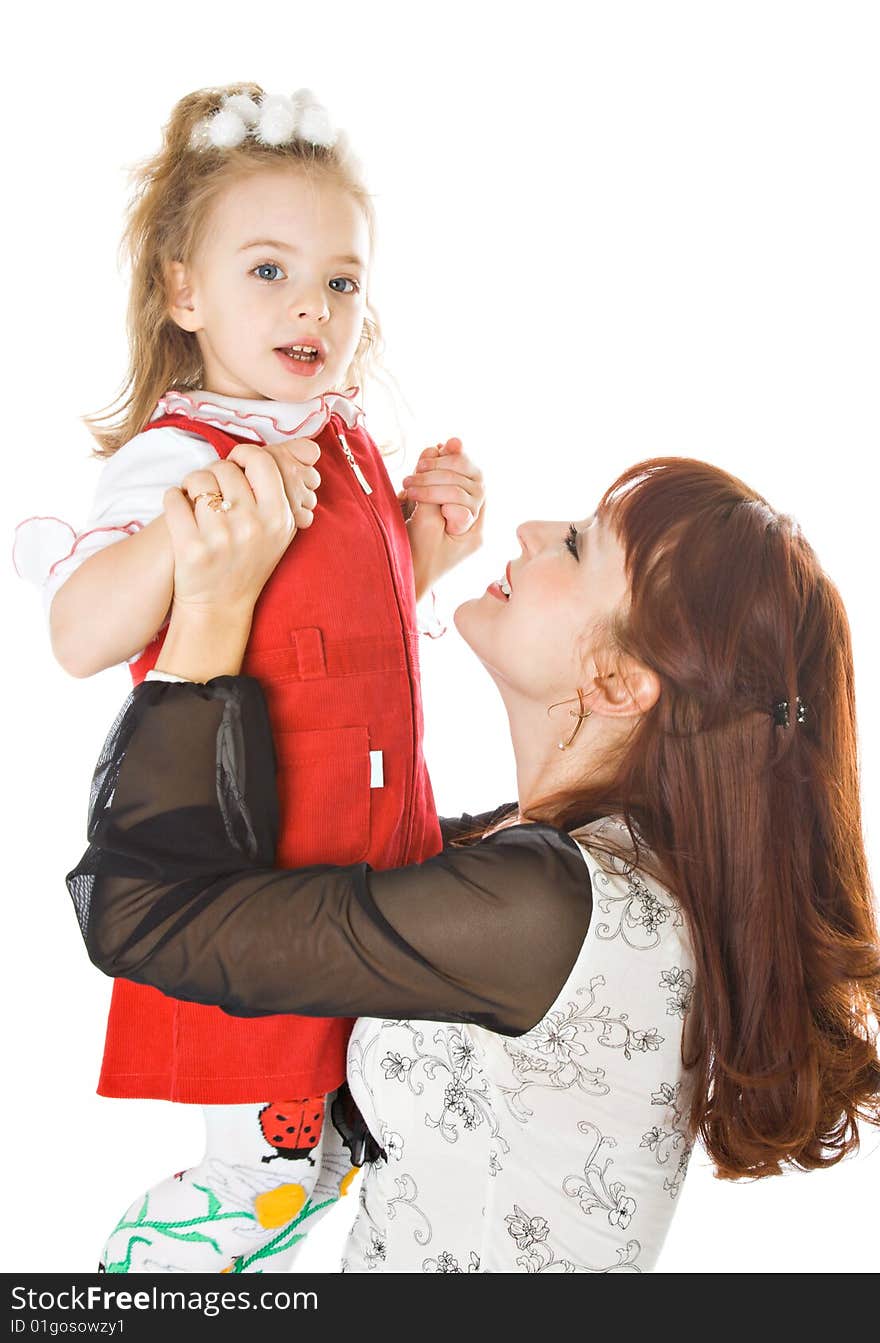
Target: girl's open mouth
(303, 360)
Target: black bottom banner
(270, 1306)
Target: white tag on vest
(377, 772)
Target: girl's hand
(295, 459)
(444, 476)
(447, 496)
(223, 557)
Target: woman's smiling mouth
(500, 587)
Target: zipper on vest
(349, 457)
(410, 789)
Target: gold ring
(215, 499)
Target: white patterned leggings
(268, 1174)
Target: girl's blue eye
(342, 279)
(268, 266)
(571, 540)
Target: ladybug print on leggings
(293, 1128)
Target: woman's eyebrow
(288, 247)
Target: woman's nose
(532, 535)
(523, 532)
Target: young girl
(250, 239)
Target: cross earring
(580, 716)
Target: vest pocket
(324, 794)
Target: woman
(669, 935)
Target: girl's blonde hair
(173, 193)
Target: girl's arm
(177, 889)
(114, 603)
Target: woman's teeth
(504, 586)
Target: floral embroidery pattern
(447, 1263)
(377, 1250)
(635, 914)
(552, 1054)
(393, 1144)
(466, 1100)
(526, 1231)
(681, 990)
(461, 1052)
(594, 1191)
(407, 1193)
(531, 1235)
(396, 1066)
(665, 1142)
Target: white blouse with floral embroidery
(597, 1088)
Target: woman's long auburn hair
(753, 826)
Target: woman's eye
(571, 540)
(343, 280)
(267, 271)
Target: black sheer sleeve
(453, 827)
(177, 887)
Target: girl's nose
(311, 304)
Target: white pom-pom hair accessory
(245, 107)
(315, 126)
(227, 129)
(275, 119)
(278, 117)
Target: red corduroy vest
(334, 644)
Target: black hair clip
(781, 712)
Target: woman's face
(282, 263)
(536, 641)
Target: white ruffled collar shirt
(266, 421)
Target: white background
(607, 231)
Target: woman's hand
(229, 528)
(226, 548)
